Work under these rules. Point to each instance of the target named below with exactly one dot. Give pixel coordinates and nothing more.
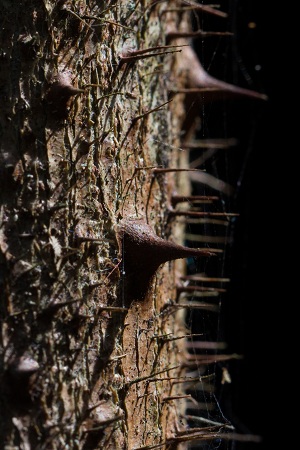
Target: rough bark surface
(82, 367)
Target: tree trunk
(93, 113)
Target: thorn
(141, 116)
(143, 252)
(211, 181)
(196, 220)
(200, 294)
(207, 434)
(166, 170)
(198, 78)
(116, 24)
(94, 240)
(198, 90)
(104, 424)
(208, 359)
(173, 213)
(192, 199)
(174, 441)
(91, 408)
(57, 207)
(175, 397)
(204, 279)
(53, 307)
(192, 6)
(210, 143)
(207, 345)
(220, 89)
(23, 367)
(113, 309)
(116, 358)
(210, 9)
(194, 430)
(193, 305)
(190, 288)
(197, 436)
(166, 337)
(18, 382)
(208, 421)
(193, 381)
(151, 447)
(195, 34)
(136, 55)
(59, 94)
(200, 406)
(148, 377)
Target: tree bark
(92, 115)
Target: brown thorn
(195, 305)
(207, 345)
(198, 78)
(197, 7)
(148, 377)
(190, 288)
(195, 34)
(113, 309)
(201, 406)
(211, 181)
(57, 207)
(205, 279)
(201, 214)
(210, 436)
(176, 397)
(200, 294)
(196, 220)
(130, 59)
(59, 94)
(91, 408)
(204, 420)
(95, 240)
(210, 143)
(194, 382)
(23, 366)
(194, 430)
(195, 90)
(104, 423)
(116, 24)
(167, 170)
(143, 252)
(150, 49)
(151, 447)
(166, 337)
(192, 198)
(221, 87)
(54, 307)
(117, 358)
(205, 8)
(141, 116)
(179, 380)
(208, 359)
(206, 155)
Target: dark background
(254, 319)
(257, 272)
(254, 312)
